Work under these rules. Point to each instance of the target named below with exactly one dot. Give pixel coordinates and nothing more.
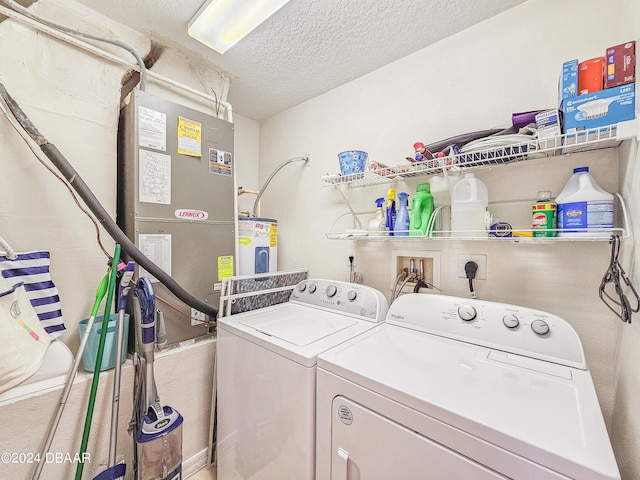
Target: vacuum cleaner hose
(78, 184)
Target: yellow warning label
(273, 235)
(189, 137)
(225, 267)
(245, 241)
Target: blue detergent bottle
(401, 227)
(421, 209)
(390, 211)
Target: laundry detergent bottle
(401, 226)
(390, 211)
(469, 204)
(377, 224)
(421, 210)
(584, 209)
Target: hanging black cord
(471, 269)
(78, 184)
(620, 303)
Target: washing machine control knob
(510, 321)
(352, 295)
(467, 312)
(540, 327)
(331, 290)
(312, 288)
(302, 287)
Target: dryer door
(368, 446)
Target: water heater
(257, 245)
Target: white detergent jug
(469, 204)
(584, 209)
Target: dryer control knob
(312, 288)
(302, 287)
(467, 312)
(352, 295)
(510, 321)
(540, 327)
(331, 290)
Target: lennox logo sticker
(189, 214)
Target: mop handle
(96, 371)
(123, 292)
(100, 292)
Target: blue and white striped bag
(32, 269)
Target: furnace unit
(176, 201)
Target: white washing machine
(266, 376)
(451, 388)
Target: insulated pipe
(266, 184)
(78, 184)
(7, 12)
(143, 69)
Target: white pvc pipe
(7, 12)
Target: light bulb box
(568, 82)
(599, 109)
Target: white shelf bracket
(353, 213)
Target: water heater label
(189, 214)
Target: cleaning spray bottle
(390, 211)
(377, 224)
(401, 226)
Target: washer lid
(296, 328)
(545, 412)
(295, 331)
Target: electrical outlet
(481, 260)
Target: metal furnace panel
(176, 200)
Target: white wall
(626, 421)
(73, 98)
(472, 81)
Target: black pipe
(78, 184)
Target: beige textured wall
(73, 97)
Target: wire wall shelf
(522, 236)
(517, 235)
(587, 140)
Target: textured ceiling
(309, 46)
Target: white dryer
(452, 388)
(266, 376)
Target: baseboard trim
(194, 464)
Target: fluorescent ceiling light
(220, 24)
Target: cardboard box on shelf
(621, 65)
(598, 109)
(590, 75)
(568, 84)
